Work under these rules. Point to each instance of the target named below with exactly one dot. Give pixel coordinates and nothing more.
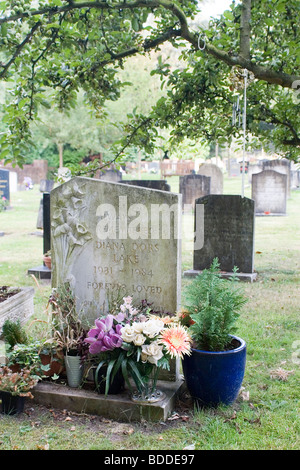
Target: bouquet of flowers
(138, 344)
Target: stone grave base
(18, 307)
(117, 407)
(40, 272)
(247, 277)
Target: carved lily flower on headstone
(69, 233)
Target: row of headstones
(273, 182)
(270, 187)
(114, 239)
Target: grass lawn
(266, 414)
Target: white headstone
(269, 191)
(110, 239)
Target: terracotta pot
(47, 261)
(15, 368)
(56, 364)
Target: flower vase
(147, 392)
(74, 370)
(116, 386)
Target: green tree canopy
(67, 45)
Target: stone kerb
(18, 307)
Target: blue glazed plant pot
(215, 378)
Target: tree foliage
(52, 49)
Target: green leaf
(125, 373)
(109, 369)
(135, 24)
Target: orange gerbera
(176, 340)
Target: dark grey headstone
(228, 233)
(4, 184)
(42, 271)
(46, 222)
(161, 185)
(192, 187)
(269, 191)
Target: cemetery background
(264, 417)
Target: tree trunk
(60, 153)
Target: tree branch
(148, 44)
(19, 49)
(243, 60)
(100, 166)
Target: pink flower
(104, 336)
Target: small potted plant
(47, 259)
(14, 387)
(215, 370)
(68, 333)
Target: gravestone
(228, 234)
(46, 223)
(108, 241)
(39, 222)
(160, 185)
(269, 191)
(234, 168)
(192, 187)
(281, 166)
(46, 186)
(295, 179)
(154, 167)
(13, 181)
(114, 176)
(42, 272)
(253, 169)
(216, 177)
(4, 184)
